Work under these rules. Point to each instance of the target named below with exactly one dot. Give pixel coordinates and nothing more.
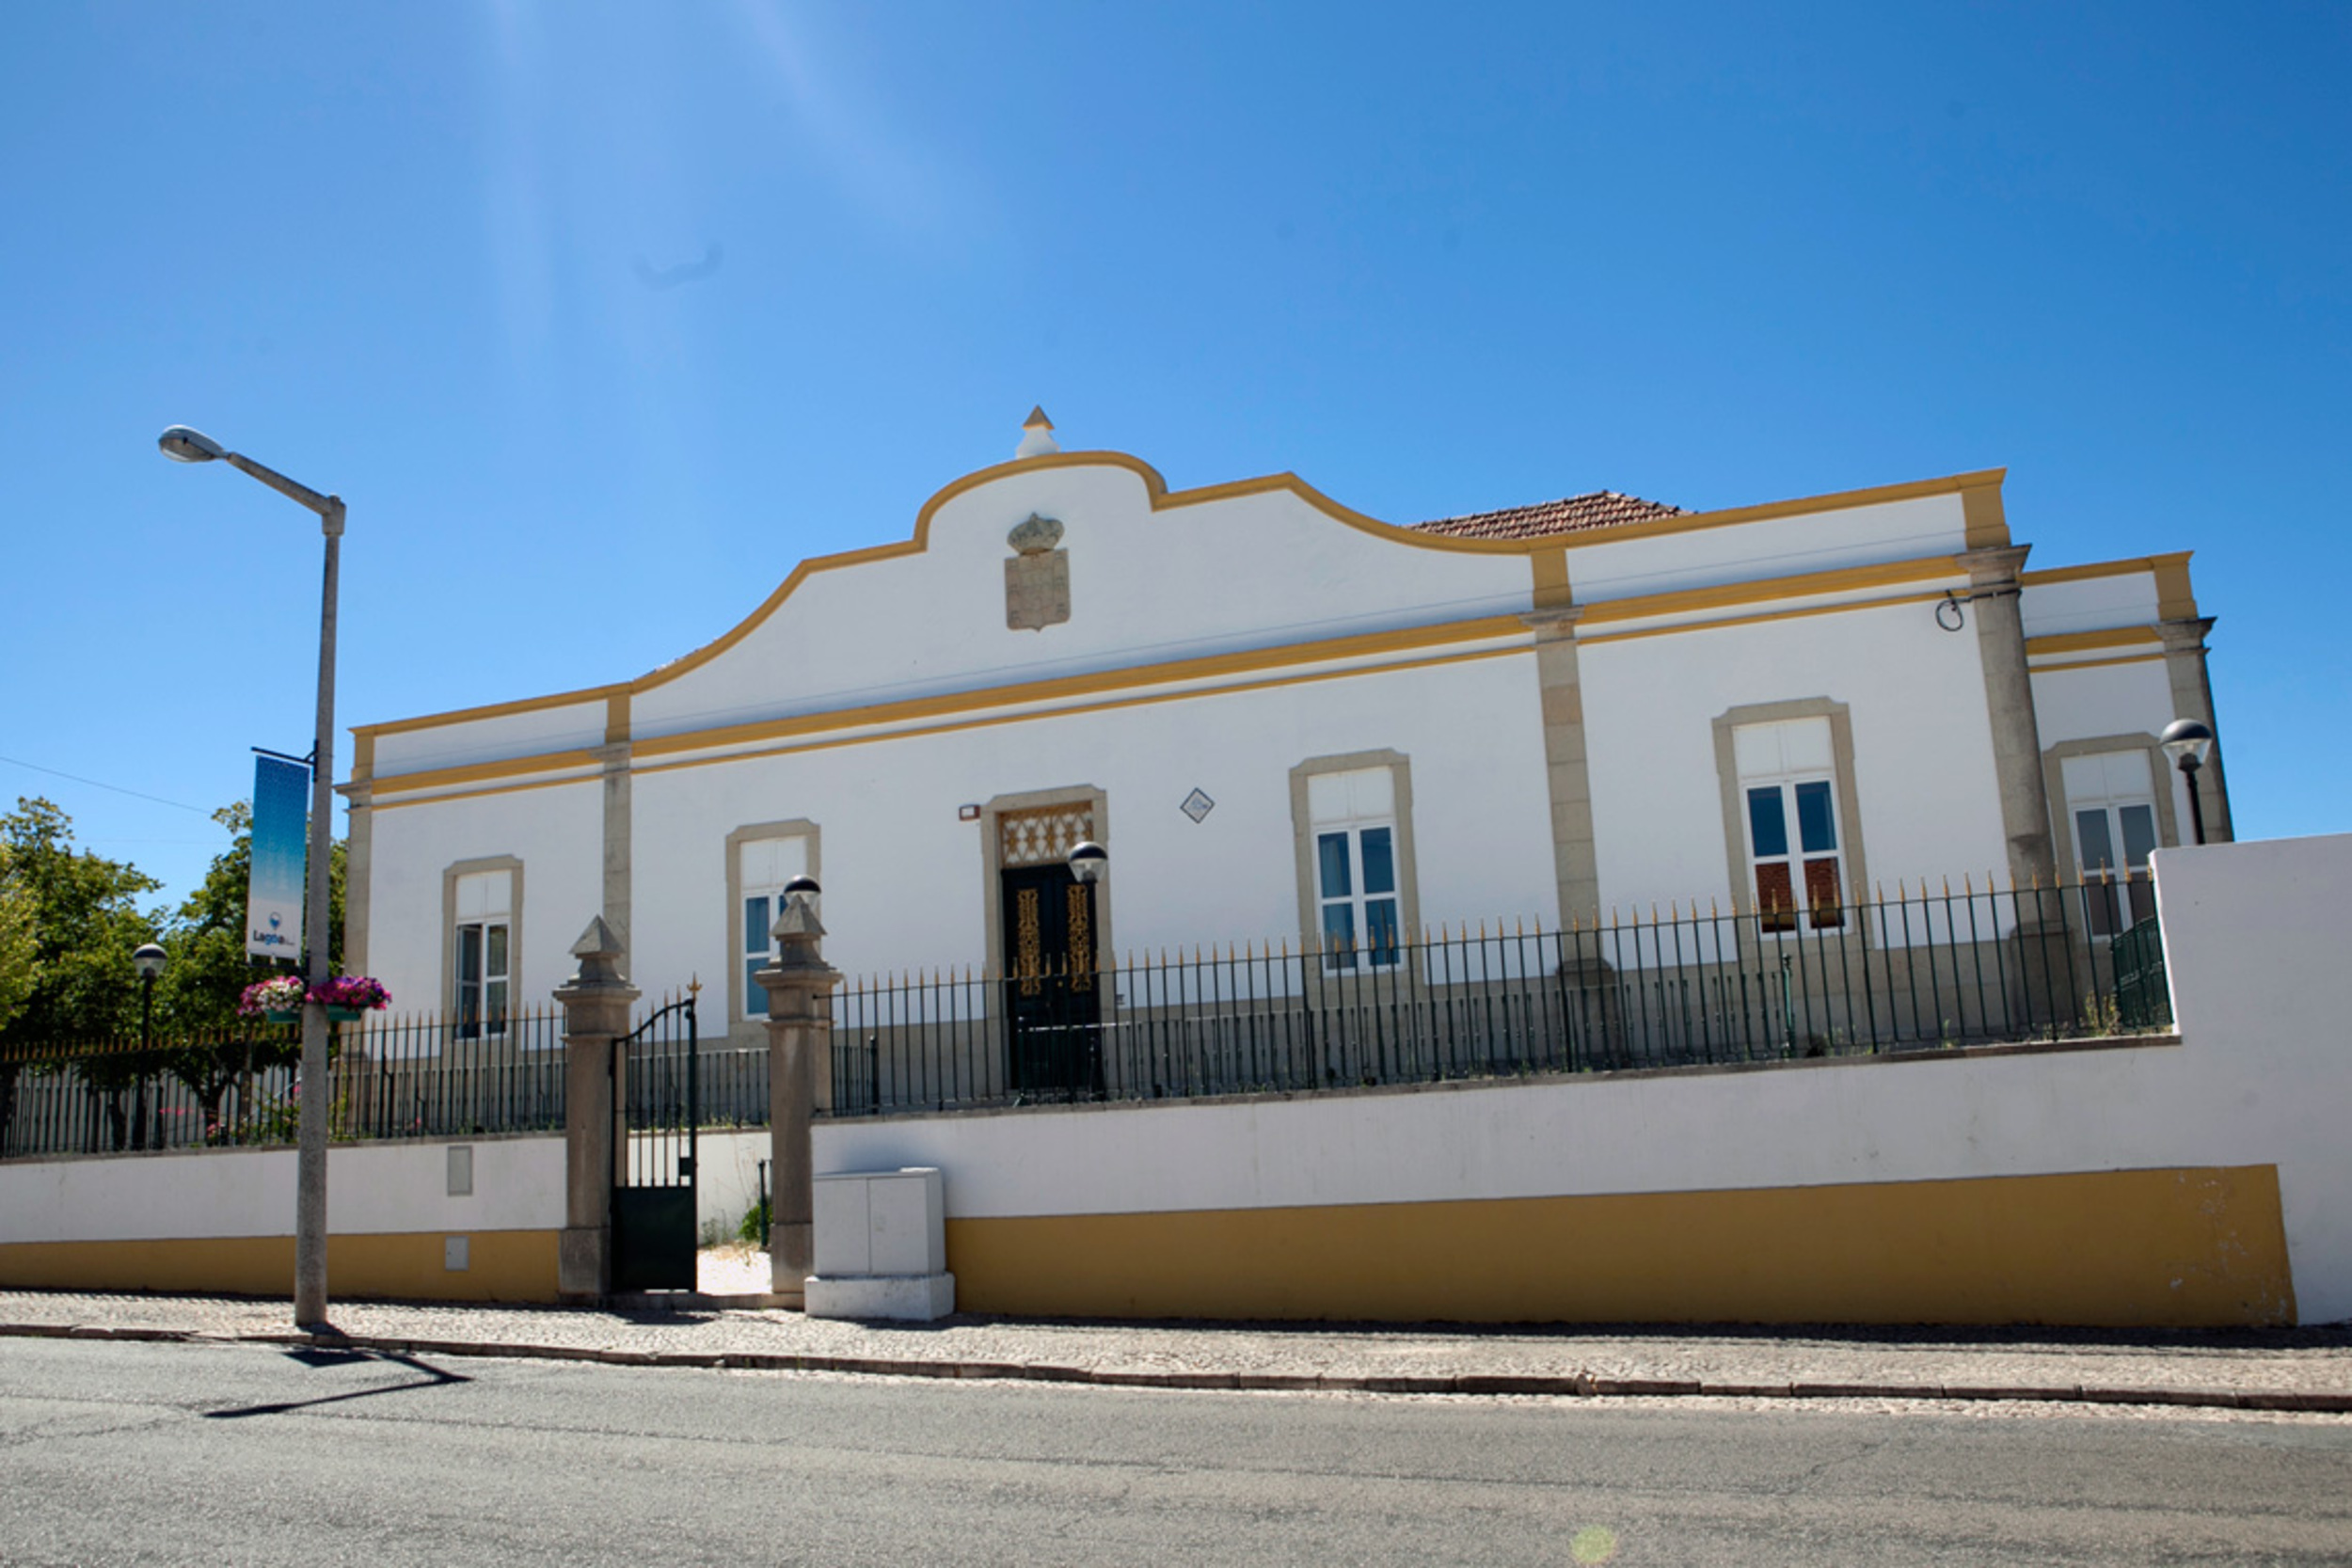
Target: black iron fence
(1921, 970)
(1918, 971)
(388, 1078)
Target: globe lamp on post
(148, 959)
(2188, 743)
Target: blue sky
(600, 317)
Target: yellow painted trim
(2177, 1248)
(1723, 621)
(1842, 579)
(1552, 588)
(2175, 599)
(504, 1265)
(1148, 700)
(616, 719)
(1984, 517)
(363, 758)
(442, 778)
(2085, 642)
(1162, 498)
(2097, 663)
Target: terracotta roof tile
(1595, 509)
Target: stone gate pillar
(799, 984)
(595, 1002)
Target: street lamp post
(183, 445)
(148, 959)
(2188, 743)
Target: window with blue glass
(481, 954)
(1794, 840)
(1357, 887)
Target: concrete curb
(1569, 1385)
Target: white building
(1281, 718)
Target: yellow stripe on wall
(2154, 1248)
(503, 1265)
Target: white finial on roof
(1036, 435)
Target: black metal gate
(655, 1091)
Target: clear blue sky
(601, 317)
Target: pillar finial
(1036, 437)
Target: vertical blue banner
(281, 824)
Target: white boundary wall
(372, 1188)
(2257, 937)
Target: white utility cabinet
(882, 1246)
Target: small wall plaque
(1198, 805)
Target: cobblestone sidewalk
(2306, 1371)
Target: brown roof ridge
(1594, 509)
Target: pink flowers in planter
(280, 995)
(356, 994)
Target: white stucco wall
(2254, 935)
(2109, 699)
(572, 726)
(1771, 548)
(2255, 938)
(2106, 699)
(1923, 747)
(2088, 603)
(557, 834)
(372, 1188)
(1146, 587)
(903, 876)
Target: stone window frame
(2160, 773)
(752, 832)
(993, 812)
(1736, 858)
(513, 866)
(1400, 769)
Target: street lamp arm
(329, 508)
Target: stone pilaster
(2192, 698)
(799, 984)
(359, 859)
(595, 1002)
(1576, 871)
(1993, 574)
(618, 835)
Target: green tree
(16, 942)
(85, 922)
(17, 953)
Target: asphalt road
(121, 1453)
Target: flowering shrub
(281, 995)
(359, 992)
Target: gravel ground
(2306, 1370)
